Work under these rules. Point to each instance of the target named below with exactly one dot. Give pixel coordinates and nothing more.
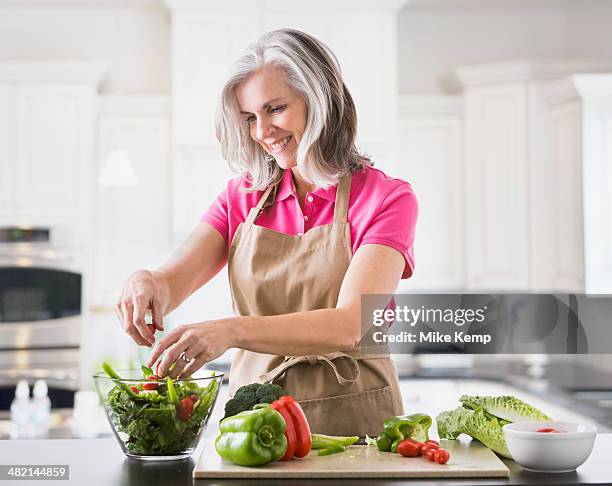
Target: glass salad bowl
(157, 419)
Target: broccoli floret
(246, 397)
(268, 392)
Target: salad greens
(476, 423)
(483, 418)
(159, 421)
(505, 407)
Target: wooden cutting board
(468, 459)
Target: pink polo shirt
(382, 210)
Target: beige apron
(271, 273)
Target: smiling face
(275, 113)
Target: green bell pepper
(253, 437)
(396, 429)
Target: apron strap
(343, 192)
(313, 359)
(255, 211)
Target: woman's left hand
(201, 343)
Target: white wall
(437, 36)
(134, 38)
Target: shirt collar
(287, 188)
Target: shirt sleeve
(394, 224)
(218, 214)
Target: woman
(308, 229)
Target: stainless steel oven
(40, 311)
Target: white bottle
(21, 412)
(41, 410)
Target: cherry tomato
(435, 442)
(150, 386)
(420, 447)
(427, 447)
(184, 409)
(152, 378)
(548, 430)
(441, 456)
(134, 389)
(408, 448)
(429, 454)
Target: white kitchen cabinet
(581, 135)
(47, 125)
(523, 184)
(52, 147)
(431, 159)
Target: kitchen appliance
(40, 310)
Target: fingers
(193, 366)
(168, 340)
(126, 312)
(172, 356)
(179, 365)
(157, 314)
(140, 307)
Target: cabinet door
(431, 160)
(496, 181)
(6, 174)
(52, 153)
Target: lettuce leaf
(505, 407)
(478, 424)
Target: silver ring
(184, 357)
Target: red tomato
(194, 398)
(184, 409)
(408, 448)
(426, 447)
(420, 447)
(152, 378)
(434, 442)
(429, 454)
(441, 456)
(134, 389)
(150, 386)
(548, 430)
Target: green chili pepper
(332, 450)
(117, 379)
(320, 441)
(171, 391)
(253, 437)
(396, 429)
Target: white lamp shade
(118, 170)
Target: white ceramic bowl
(549, 452)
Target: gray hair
(327, 149)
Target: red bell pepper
(297, 432)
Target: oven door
(40, 307)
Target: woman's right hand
(141, 292)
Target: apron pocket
(352, 414)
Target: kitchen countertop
(101, 462)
